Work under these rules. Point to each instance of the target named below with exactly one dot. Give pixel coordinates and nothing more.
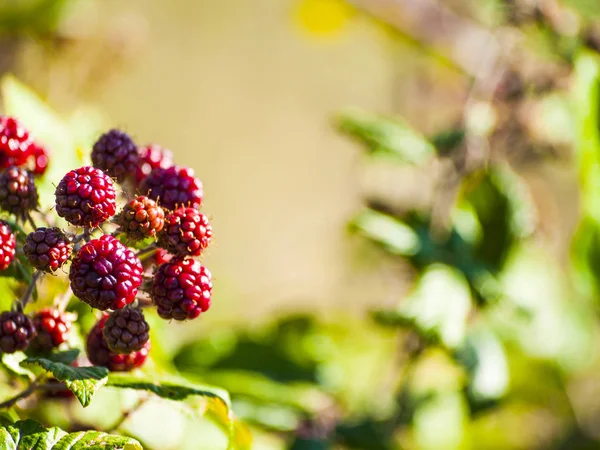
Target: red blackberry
(173, 187)
(116, 154)
(105, 274)
(181, 289)
(162, 256)
(100, 355)
(18, 194)
(52, 329)
(47, 249)
(141, 218)
(8, 242)
(187, 232)
(152, 157)
(86, 197)
(15, 143)
(16, 331)
(39, 159)
(126, 330)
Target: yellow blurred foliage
(323, 17)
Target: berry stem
(148, 251)
(21, 395)
(128, 413)
(27, 296)
(63, 301)
(31, 221)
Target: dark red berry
(116, 154)
(52, 328)
(18, 194)
(173, 187)
(105, 274)
(16, 331)
(187, 232)
(8, 242)
(47, 249)
(162, 256)
(181, 289)
(100, 355)
(126, 330)
(152, 157)
(141, 218)
(39, 159)
(86, 197)
(15, 143)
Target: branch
(21, 395)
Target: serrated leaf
(47, 128)
(29, 434)
(12, 362)
(386, 135)
(84, 382)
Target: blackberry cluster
(104, 271)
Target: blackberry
(105, 274)
(152, 157)
(52, 329)
(141, 218)
(8, 242)
(47, 249)
(15, 143)
(100, 355)
(187, 232)
(126, 331)
(18, 194)
(181, 289)
(173, 187)
(86, 197)
(16, 331)
(116, 154)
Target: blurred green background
(406, 203)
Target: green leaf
(47, 128)
(218, 404)
(395, 236)
(387, 136)
(29, 434)
(12, 362)
(84, 382)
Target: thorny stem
(27, 296)
(21, 395)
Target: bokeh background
(403, 194)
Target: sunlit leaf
(397, 237)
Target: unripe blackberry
(52, 328)
(181, 289)
(152, 157)
(141, 218)
(173, 187)
(187, 232)
(16, 331)
(18, 194)
(116, 154)
(39, 159)
(105, 274)
(15, 143)
(86, 197)
(8, 242)
(100, 355)
(126, 331)
(47, 249)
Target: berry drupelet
(8, 242)
(100, 354)
(173, 187)
(126, 331)
(116, 154)
(39, 159)
(181, 289)
(141, 218)
(16, 331)
(105, 274)
(187, 232)
(52, 329)
(18, 194)
(152, 157)
(86, 197)
(47, 249)
(15, 143)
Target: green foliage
(28, 434)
